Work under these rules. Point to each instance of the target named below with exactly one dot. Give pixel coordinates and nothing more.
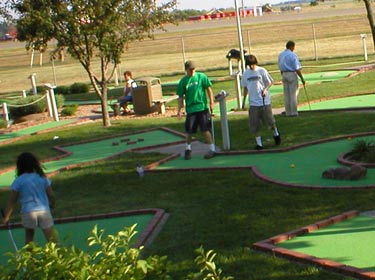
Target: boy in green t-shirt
(193, 90)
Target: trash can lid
(148, 80)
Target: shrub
(3, 123)
(41, 89)
(363, 151)
(69, 110)
(21, 107)
(113, 258)
(79, 88)
(62, 90)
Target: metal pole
(239, 30)
(314, 39)
(183, 51)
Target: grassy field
(208, 43)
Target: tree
(370, 19)
(93, 32)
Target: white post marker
(32, 77)
(49, 104)
(5, 112)
(363, 37)
(51, 94)
(221, 96)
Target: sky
(210, 4)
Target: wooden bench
(160, 104)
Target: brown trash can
(147, 91)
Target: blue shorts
(200, 119)
(125, 99)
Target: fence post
(363, 37)
(51, 94)
(5, 112)
(33, 83)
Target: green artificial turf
(75, 233)
(34, 129)
(346, 242)
(98, 150)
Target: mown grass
(222, 210)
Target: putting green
(101, 149)
(34, 129)
(347, 242)
(301, 166)
(358, 101)
(76, 233)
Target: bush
(3, 123)
(363, 151)
(22, 109)
(41, 89)
(113, 258)
(62, 90)
(69, 110)
(79, 88)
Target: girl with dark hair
(34, 191)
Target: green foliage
(22, 108)
(69, 110)
(79, 88)
(363, 151)
(114, 258)
(3, 123)
(62, 90)
(208, 267)
(41, 89)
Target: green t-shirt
(194, 90)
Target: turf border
(269, 246)
(144, 237)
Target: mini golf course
(340, 244)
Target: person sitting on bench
(128, 92)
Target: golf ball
(292, 165)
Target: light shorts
(35, 219)
(259, 115)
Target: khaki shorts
(42, 219)
(259, 115)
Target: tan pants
(290, 85)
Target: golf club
(308, 100)
(10, 232)
(212, 128)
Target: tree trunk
(104, 101)
(370, 19)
